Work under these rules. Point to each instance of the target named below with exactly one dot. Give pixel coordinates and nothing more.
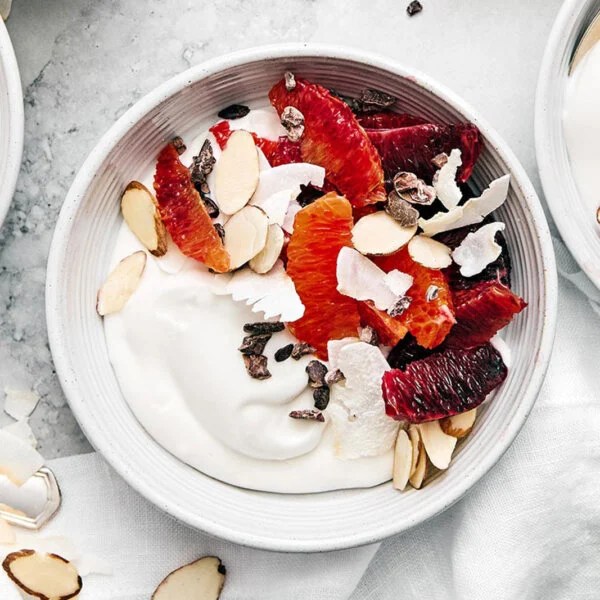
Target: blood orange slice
(184, 214)
(389, 329)
(334, 139)
(321, 229)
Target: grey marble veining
(84, 62)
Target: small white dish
(83, 242)
(11, 121)
(574, 219)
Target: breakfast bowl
(11, 121)
(575, 217)
(80, 259)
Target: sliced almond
(140, 211)
(265, 260)
(403, 455)
(429, 253)
(416, 479)
(415, 440)
(236, 173)
(379, 233)
(43, 576)
(201, 580)
(459, 426)
(121, 283)
(245, 235)
(438, 445)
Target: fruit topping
(234, 111)
(428, 320)
(265, 260)
(407, 351)
(334, 139)
(286, 152)
(245, 235)
(121, 283)
(184, 215)
(403, 456)
(389, 120)
(438, 445)
(429, 253)
(412, 148)
(444, 180)
(390, 330)
(222, 131)
(443, 384)
(481, 312)
(321, 230)
(379, 233)
(202, 579)
(478, 249)
(140, 212)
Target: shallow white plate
(11, 121)
(576, 223)
(79, 257)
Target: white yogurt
(581, 123)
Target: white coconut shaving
(478, 249)
(21, 429)
(276, 205)
(334, 347)
(18, 460)
(398, 282)
(357, 409)
(19, 403)
(444, 181)
(503, 349)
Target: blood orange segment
(389, 329)
(334, 139)
(184, 214)
(222, 132)
(389, 120)
(430, 320)
(320, 230)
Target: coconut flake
(273, 293)
(288, 222)
(444, 181)
(334, 347)
(18, 460)
(478, 249)
(22, 430)
(19, 404)
(503, 349)
(429, 253)
(398, 282)
(357, 410)
(361, 279)
(472, 212)
(276, 205)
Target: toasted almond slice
(7, 533)
(416, 479)
(236, 173)
(403, 456)
(438, 445)
(429, 253)
(43, 576)
(378, 233)
(245, 235)
(201, 580)
(140, 211)
(415, 440)
(18, 460)
(265, 260)
(121, 283)
(459, 426)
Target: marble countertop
(84, 62)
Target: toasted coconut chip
(7, 533)
(140, 211)
(361, 279)
(44, 576)
(121, 284)
(478, 249)
(438, 445)
(473, 211)
(429, 253)
(379, 233)
(459, 426)
(245, 235)
(415, 441)
(236, 173)
(201, 580)
(22, 430)
(18, 460)
(265, 260)
(444, 181)
(402, 460)
(398, 282)
(276, 205)
(19, 404)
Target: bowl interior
(574, 219)
(82, 246)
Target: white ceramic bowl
(83, 242)
(11, 121)
(577, 225)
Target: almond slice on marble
(459, 426)
(379, 233)
(236, 172)
(403, 456)
(415, 440)
(43, 576)
(202, 579)
(140, 211)
(121, 284)
(429, 253)
(245, 235)
(438, 445)
(265, 260)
